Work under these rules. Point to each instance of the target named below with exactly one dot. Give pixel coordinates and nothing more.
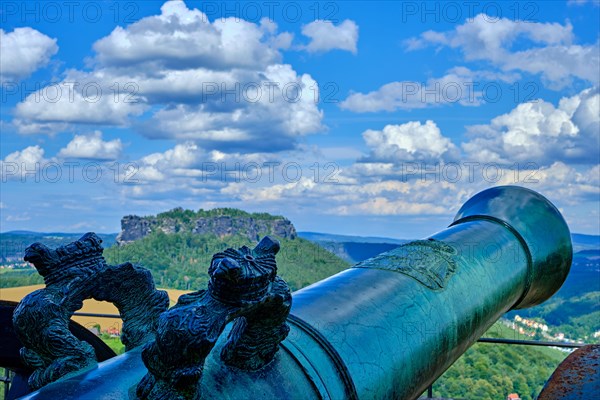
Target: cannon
(383, 329)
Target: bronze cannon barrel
(390, 325)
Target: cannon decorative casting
(243, 288)
(383, 329)
(73, 273)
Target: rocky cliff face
(247, 226)
(134, 227)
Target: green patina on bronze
(427, 261)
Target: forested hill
(177, 245)
(181, 260)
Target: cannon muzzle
(390, 325)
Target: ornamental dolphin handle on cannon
(384, 329)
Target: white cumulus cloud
(408, 142)
(92, 147)
(542, 133)
(551, 52)
(23, 163)
(220, 83)
(325, 36)
(460, 85)
(276, 116)
(80, 99)
(181, 38)
(24, 50)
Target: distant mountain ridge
(219, 221)
(352, 249)
(57, 234)
(14, 243)
(333, 237)
(585, 242)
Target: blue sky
(363, 118)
